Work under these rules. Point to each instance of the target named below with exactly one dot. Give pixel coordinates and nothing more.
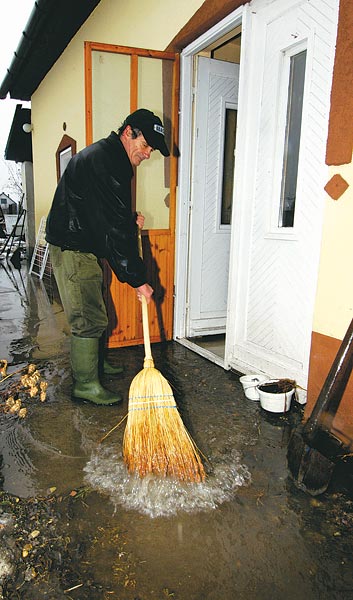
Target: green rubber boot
(104, 367)
(84, 364)
(108, 369)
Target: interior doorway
(214, 70)
(216, 105)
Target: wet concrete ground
(74, 525)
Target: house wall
(334, 300)
(62, 90)
(120, 23)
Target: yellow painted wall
(334, 301)
(58, 100)
(60, 97)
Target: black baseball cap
(150, 126)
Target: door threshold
(211, 356)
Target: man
(91, 218)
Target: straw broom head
(155, 439)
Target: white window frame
(275, 231)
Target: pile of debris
(19, 393)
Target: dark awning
(19, 143)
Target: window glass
(110, 91)
(64, 158)
(123, 79)
(228, 165)
(66, 149)
(292, 139)
(152, 187)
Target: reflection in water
(158, 497)
(18, 467)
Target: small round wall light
(27, 127)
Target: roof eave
(50, 28)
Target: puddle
(247, 533)
(164, 497)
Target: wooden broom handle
(145, 325)
(146, 331)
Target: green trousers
(79, 278)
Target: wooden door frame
(168, 235)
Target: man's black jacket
(91, 210)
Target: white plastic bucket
(250, 383)
(276, 402)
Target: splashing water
(155, 496)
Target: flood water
(246, 533)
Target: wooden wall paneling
(124, 311)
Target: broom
(155, 439)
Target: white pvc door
(275, 266)
(216, 93)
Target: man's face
(137, 148)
